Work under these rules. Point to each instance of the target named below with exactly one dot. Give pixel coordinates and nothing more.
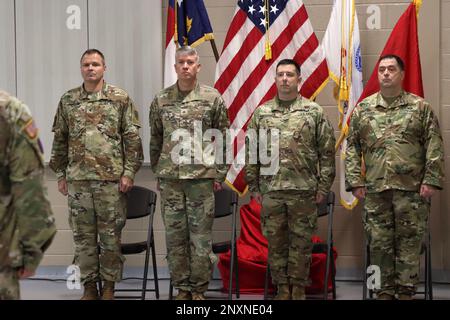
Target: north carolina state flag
(404, 43)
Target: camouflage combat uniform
(402, 148)
(27, 224)
(306, 167)
(187, 198)
(96, 143)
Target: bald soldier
(96, 154)
(27, 224)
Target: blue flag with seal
(192, 26)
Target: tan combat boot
(283, 292)
(405, 296)
(385, 296)
(90, 291)
(183, 295)
(108, 290)
(198, 296)
(298, 293)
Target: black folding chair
(141, 203)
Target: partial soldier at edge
(27, 225)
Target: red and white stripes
(246, 79)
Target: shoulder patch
(30, 129)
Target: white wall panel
(129, 33)
(48, 55)
(7, 48)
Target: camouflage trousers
(97, 217)
(9, 284)
(288, 220)
(395, 222)
(187, 208)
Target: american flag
(263, 32)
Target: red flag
(170, 76)
(404, 43)
(257, 39)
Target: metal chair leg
(144, 279)
(236, 272)
(170, 290)
(327, 273)
(266, 282)
(230, 284)
(155, 268)
(429, 278)
(333, 275)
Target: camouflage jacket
(27, 224)
(96, 136)
(184, 122)
(401, 145)
(306, 147)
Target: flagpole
(214, 49)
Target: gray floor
(58, 290)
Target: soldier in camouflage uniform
(398, 136)
(306, 172)
(27, 225)
(187, 198)
(96, 154)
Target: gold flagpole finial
(418, 4)
(175, 35)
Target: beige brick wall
(348, 233)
